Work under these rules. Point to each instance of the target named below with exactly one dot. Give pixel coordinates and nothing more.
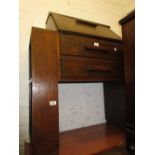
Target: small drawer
(77, 45)
(92, 69)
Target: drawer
(92, 69)
(77, 45)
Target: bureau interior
(82, 119)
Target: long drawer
(92, 69)
(77, 45)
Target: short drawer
(81, 68)
(77, 45)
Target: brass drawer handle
(99, 68)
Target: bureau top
(65, 23)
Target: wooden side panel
(45, 130)
(128, 29)
(115, 103)
(129, 67)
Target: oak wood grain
(77, 45)
(45, 129)
(85, 69)
(128, 31)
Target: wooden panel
(129, 64)
(90, 140)
(128, 30)
(77, 45)
(78, 68)
(45, 131)
(114, 98)
(129, 67)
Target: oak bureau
(71, 50)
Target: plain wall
(80, 105)
(34, 13)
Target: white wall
(34, 13)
